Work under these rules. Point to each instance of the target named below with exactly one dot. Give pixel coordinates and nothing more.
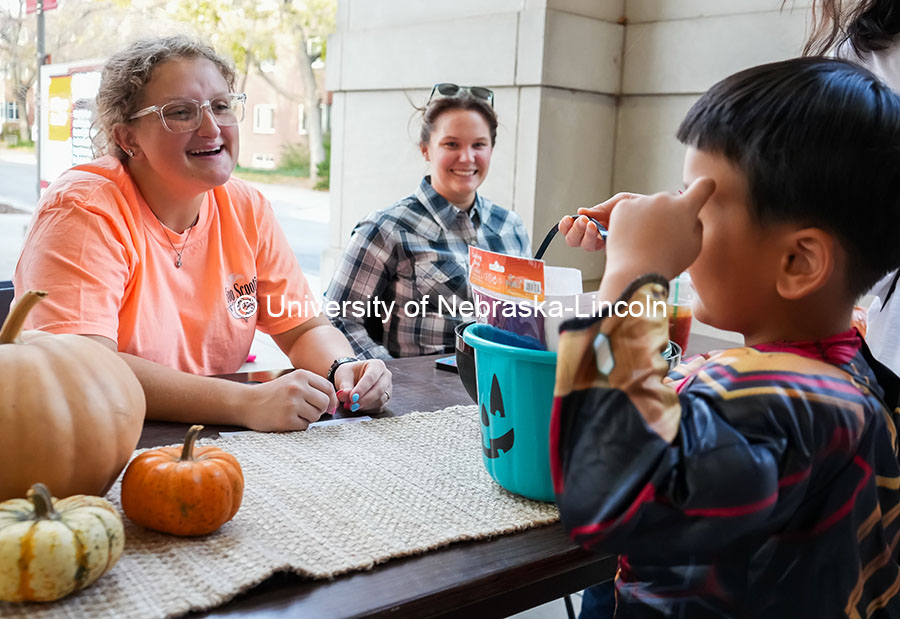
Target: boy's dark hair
(818, 141)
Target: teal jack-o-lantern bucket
(515, 396)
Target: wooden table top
(493, 578)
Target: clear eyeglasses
(184, 116)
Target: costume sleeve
(83, 259)
(637, 468)
(280, 278)
(364, 271)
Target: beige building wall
(263, 142)
(273, 120)
(674, 51)
(589, 94)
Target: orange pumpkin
(71, 410)
(183, 491)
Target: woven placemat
(319, 503)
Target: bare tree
(17, 50)
(67, 35)
(310, 21)
(249, 31)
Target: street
(302, 213)
(18, 187)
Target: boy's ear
(807, 263)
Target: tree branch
(281, 91)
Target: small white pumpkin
(49, 547)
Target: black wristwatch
(338, 363)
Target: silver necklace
(183, 245)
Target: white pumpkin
(49, 547)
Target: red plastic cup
(680, 318)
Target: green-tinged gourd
(50, 548)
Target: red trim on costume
(815, 383)
(556, 474)
(837, 349)
(843, 440)
(846, 507)
(645, 496)
(795, 478)
(731, 512)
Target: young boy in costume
(764, 484)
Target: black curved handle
(546, 242)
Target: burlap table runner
(319, 503)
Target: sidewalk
(297, 203)
(15, 155)
(12, 235)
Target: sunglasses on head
(446, 89)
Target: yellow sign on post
(60, 112)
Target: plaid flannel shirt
(417, 247)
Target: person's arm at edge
(173, 395)
(288, 403)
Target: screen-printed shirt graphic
(240, 296)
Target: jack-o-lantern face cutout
(502, 443)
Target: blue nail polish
(355, 397)
(354, 408)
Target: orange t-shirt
(102, 255)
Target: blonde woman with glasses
(154, 251)
(417, 249)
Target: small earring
(129, 152)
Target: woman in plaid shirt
(414, 254)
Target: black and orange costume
(766, 484)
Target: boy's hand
(656, 234)
(581, 232)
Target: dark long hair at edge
(867, 25)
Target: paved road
(302, 213)
(18, 186)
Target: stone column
(554, 66)
(674, 51)
(589, 94)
